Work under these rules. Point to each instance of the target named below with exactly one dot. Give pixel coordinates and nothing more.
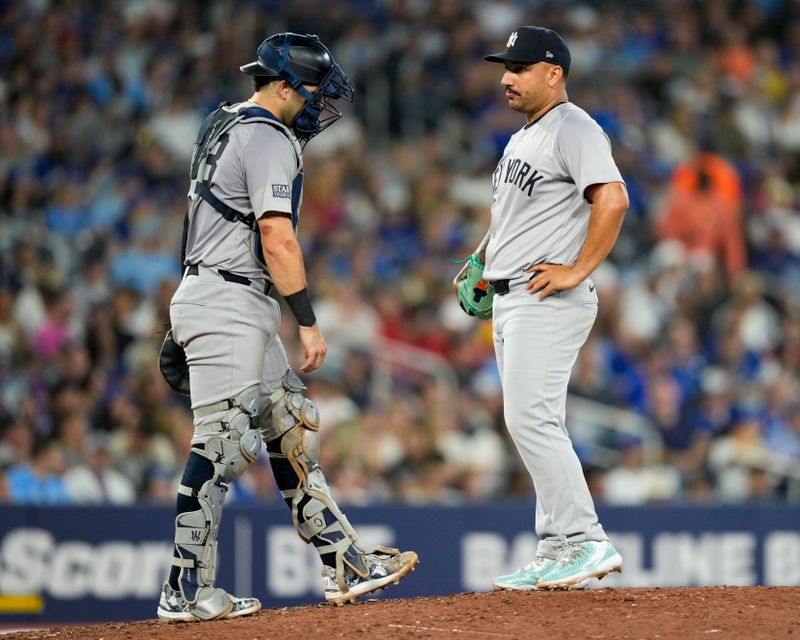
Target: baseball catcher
(246, 185)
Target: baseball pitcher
(558, 206)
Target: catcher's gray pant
(230, 334)
(536, 344)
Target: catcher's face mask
(304, 60)
(318, 113)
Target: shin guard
(232, 443)
(294, 458)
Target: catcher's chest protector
(209, 145)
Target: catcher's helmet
(303, 59)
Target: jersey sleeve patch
(281, 191)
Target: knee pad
(231, 444)
(288, 408)
(232, 438)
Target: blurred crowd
(699, 325)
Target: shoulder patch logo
(281, 191)
(511, 40)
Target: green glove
(475, 295)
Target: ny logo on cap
(547, 54)
(511, 40)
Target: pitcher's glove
(474, 294)
(173, 365)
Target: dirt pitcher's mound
(610, 614)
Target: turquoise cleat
(527, 578)
(578, 563)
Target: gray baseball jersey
(539, 213)
(247, 179)
(229, 330)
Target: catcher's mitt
(474, 294)
(173, 365)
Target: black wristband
(300, 304)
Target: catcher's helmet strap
(282, 68)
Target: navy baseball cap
(534, 44)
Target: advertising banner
(62, 564)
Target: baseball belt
(194, 270)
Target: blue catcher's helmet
(303, 59)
